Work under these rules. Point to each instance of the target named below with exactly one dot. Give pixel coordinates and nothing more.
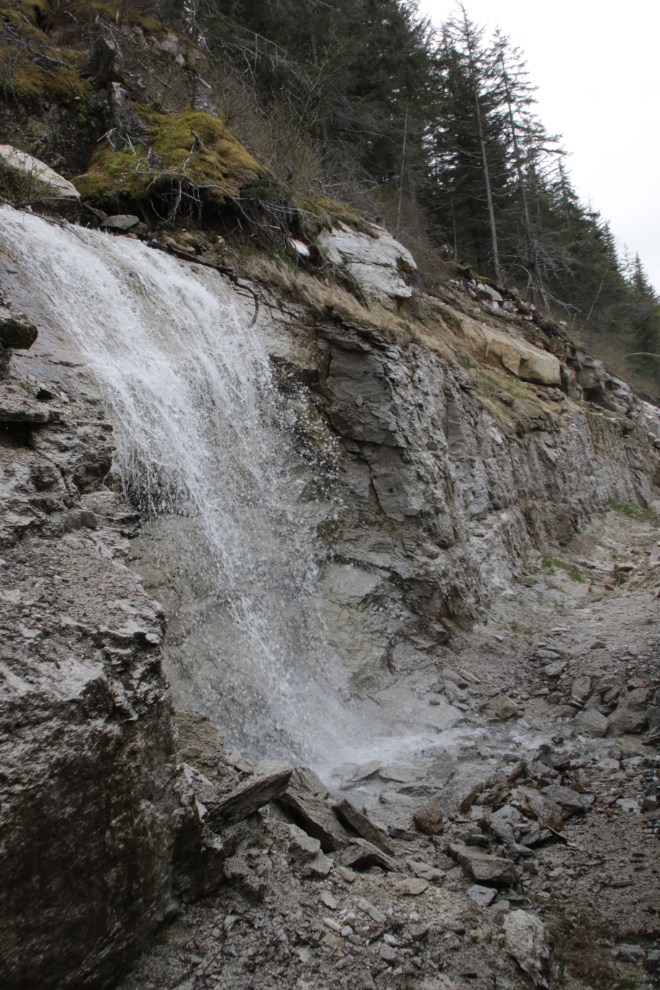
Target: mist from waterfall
(202, 436)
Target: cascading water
(200, 433)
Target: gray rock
(463, 788)
(456, 678)
(503, 707)
(454, 694)
(39, 181)
(482, 896)
(630, 714)
(591, 723)
(314, 813)
(581, 689)
(122, 221)
(349, 816)
(567, 798)
(549, 812)
(201, 743)
(302, 847)
(269, 781)
(483, 868)
(526, 939)
(555, 669)
(16, 333)
(360, 854)
(374, 913)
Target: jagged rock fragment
(349, 815)
(548, 812)
(361, 854)
(312, 811)
(429, 818)
(482, 896)
(16, 332)
(567, 798)
(483, 868)
(268, 783)
(122, 221)
(591, 723)
(526, 939)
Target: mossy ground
(190, 147)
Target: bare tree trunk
(403, 162)
(484, 156)
(531, 249)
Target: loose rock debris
(520, 848)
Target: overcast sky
(596, 66)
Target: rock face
(375, 260)
(97, 824)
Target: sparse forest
(433, 132)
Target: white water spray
(198, 428)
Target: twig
(38, 55)
(229, 272)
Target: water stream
(201, 435)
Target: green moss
(190, 146)
(573, 571)
(632, 511)
(30, 82)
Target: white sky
(597, 69)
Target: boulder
(16, 332)
(454, 693)
(482, 896)
(305, 853)
(630, 714)
(96, 819)
(376, 262)
(526, 939)
(521, 359)
(312, 811)
(548, 812)
(581, 689)
(591, 723)
(463, 788)
(201, 743)
(37, 180)
(122, 221)
(503, 707)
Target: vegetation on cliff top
(190, 147)
(355, 102)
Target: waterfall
(202, 436)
